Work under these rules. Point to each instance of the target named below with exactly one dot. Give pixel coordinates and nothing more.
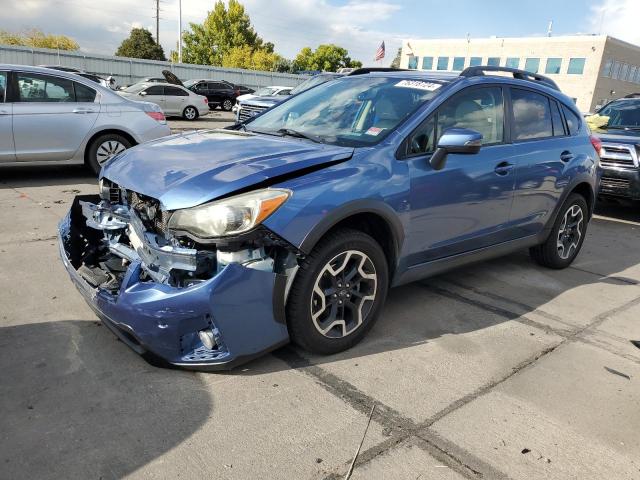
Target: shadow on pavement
(48, 175)
(76, 403)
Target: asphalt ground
(500, 370)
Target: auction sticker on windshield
(374, 131)
(418, 84)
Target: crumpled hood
(190, 169)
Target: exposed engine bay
(125, 227)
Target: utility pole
(158, 22)
(179, 31)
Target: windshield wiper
(295, 133)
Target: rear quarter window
(573, 121)
(84, 93)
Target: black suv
(620, 137)
(220, 94)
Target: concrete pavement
(499, 370)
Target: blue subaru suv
(206, 249)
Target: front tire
(338, 293)
(227, 104)
(566, 237)
(104, 148)
(190, 113)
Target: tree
(224, 29)
(140, 44)
(328, 58)
(396, 61)
(36, 38)
(246, 57)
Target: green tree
(327, 58)
(36, 38)
(224, 29)
(395, 63)
(140, 44)
(255, 59)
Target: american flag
(380, 52)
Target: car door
(466, 205)
(7, 147)
(175, 100)
(155, 94)
(48, 122)
(216, 92)
(541, 148)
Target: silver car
(175, 101)
(53, 116)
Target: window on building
(532, 65)
(615, 74)
(512, 62)
(493, 61)
(427, 63)
(632, 73)
(475, 61)
(443, 63)
(413, 62)
(624, 72)
(606, 68)
(553, 66)
(531, 115)
(637, 79)
(458, 64)
(576, 66)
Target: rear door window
(84, 93)
(3, 86)
(531, 115)
(175, 92)
(556, 118)
(573, 121)
(43, 88)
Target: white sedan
(173, 99)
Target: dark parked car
(209, 249)
(620, 138)
(220, 94)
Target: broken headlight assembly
(230, 216)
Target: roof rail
(365, 70)
(480, 70)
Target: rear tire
(566, 237)
(227, 104)
(190, 113)
(338, 293)
(103, 148)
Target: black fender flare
(371, 206)
(580, 179)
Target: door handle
(83, 110)
(567, 156)
(503, 168)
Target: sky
(358, 25)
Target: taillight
(157, 116)
(237, 93)
(206, 101)
(596, 142)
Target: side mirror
(455, 140)
(143, 94)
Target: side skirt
(435, 267)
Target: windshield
(622, 113)
(312, 82)
(265, 92)
(358, 111)
(135, 88)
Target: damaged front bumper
(240, 308)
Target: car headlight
(230, 216)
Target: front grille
(618, 156)
(248, 111)
(149, 211)
(608, 183)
